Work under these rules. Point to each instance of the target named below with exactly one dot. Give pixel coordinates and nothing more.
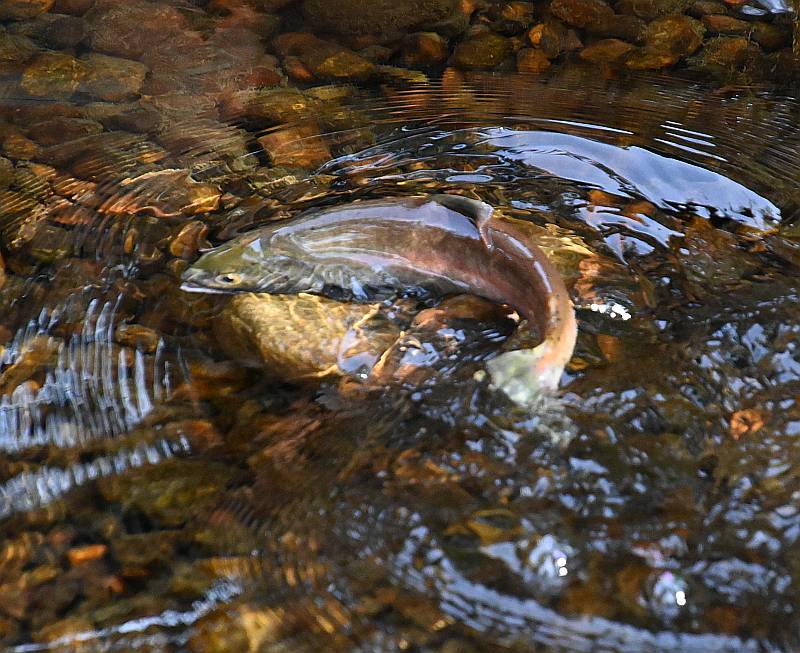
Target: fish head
(242, 266)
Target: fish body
(433, 245)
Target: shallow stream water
(158, 495)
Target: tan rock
(299, 146)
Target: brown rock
(22, 9)
(53, 30)
(627, 28)
(424, 49)
(297, 70)
(6, 173)
(296, 146)
(721, 24)
(700, 8)
(72, 7)
(667, 41)
(111, 78)
(651, 9)
(62, 129)
(580, 13)
(728, 53)
(131, 28)
(606, 51)
(770, 37)
(483, 51)
(53, 74)
(383, 17)
(549, 37)
(323, 59)
(190, 239)
(531, 60)
(15, 51)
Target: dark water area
(161, 490)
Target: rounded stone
(484, 51)
(384, 17)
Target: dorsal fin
(478, 212)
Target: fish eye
(229, 278)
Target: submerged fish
(440, 244)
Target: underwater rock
(62, 129)
(769, 36)
(651, 9)
(15, 51)
(53, 30)
(531, 60)
(269, 107)
(72, 7)
(483, 51)
(383, 17)
(721, 24)
(22, 9)
(667, 41)
(726, 53)
(552, 37)
(424, 49)
(129, 29)
(53, 74)
(6, 173)
(111, 78)
(606, 51)
(581, 13)
(299, 146)
(324, 59)
(312, 344)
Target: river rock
(383, 17)
(551, 37)
(726, 53)
(424, 49)
(72, 7)
(53, 30)
(606, 51)
(531, 60)
(580, 13)
(111, 78)
(131, 28)
(722, 24)
(483, 51)
(299, 145)
(770, 37)
(15, 51)
(667, 41)
(324, 59)
(651, 9)
(303, 336)
(22, 9)
(62, 129)
(53, 74)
